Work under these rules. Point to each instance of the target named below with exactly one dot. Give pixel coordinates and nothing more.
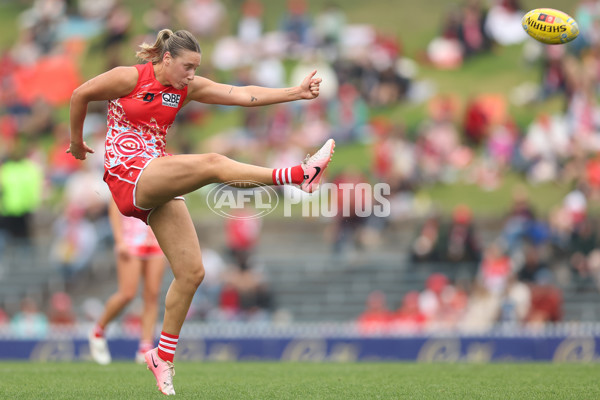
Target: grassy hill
(415, 24)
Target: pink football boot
(163, 371)
(315, 166)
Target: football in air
(550, 26)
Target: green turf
(268, 380)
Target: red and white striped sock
(287, 176)
(167, 346)
(98, 331)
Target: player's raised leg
(167, 177)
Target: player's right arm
(117, 82)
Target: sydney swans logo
(242, 200)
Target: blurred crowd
(365, 72)
(518, 272)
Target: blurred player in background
(138, 256)
(146, 182)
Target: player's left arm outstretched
(206, 91)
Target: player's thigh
(174, 229)
(167, 177)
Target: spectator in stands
(501, 143)
(495, 269)
(546, 304)
(409, 318)
(26, 51)
(296, 23)
(329, 27)
(159, 17)
(314, 126)
(545, 145)
(438, 141)
(20, 195)
(118, 24)
(44, 18)
(39, 121)
(251, 290)
(74, 241)
(445, 51)
(476, 123)
(459, 241)
(482, 310)
(518, 221)
(204, 18)
(516, 301)
(554, 74)
(471, 33)
(61, 313)
(586, 14)
(250, 26)
(243, 233)
(425, 247)
(533, 265)
(584, 243)
(376, 317)
(29, 322)
(592, 177)
(348, 115)
(454, 308)
(229, 304)
(348, 226)
(85, 191)
(503, 22)
(432, 299)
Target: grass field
(266, 380)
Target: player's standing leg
(177, 237)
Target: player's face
(183, 68)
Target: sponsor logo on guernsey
(171, 99)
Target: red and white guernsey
(138, 122)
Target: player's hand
(79, 150)
(309, 88)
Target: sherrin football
(550, 26)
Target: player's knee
(128, 296)
(217, 164)
(197, 275)
(194, 276)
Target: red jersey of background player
(139, 121)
